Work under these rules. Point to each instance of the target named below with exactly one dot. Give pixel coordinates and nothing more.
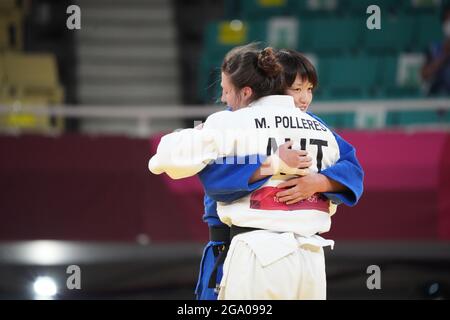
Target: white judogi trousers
(263, 265)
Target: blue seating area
(353, 62)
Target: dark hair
(247, 66)
(294, 63)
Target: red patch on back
(265, 199)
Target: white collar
(277, 100)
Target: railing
(146, 116)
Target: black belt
(219, 234)
(235, 230)
(223, 234)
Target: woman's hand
(301, 188)
(286, 161)
(297, 159)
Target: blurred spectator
(436, 70)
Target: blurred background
(86, 93)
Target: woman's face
(233, 97)
(301, 91)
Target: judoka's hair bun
(268, 63)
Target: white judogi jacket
(255, 130)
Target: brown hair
(294, 63)
(247, 66)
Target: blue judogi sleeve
(347, 171)
(227, 180)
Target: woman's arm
(341, 183)
(232, 178)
